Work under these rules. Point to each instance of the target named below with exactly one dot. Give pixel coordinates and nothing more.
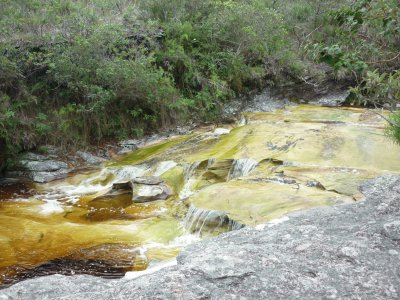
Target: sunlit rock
(252, 203)
(146, 193)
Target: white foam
(184, 240)
(155, 268)
(186, 191)
(51, 207)
(179, 241)
(221, 131)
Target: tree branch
(384, 61)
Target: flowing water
(269, 165)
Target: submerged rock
(344, 252)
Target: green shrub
(80, 72)
(393, 127)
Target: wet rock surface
(149, 180)
(39, 168)
(90, 158)
(342, 252)
(148, 193)
(138, 190)
(149, 188)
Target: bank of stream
(138, 211)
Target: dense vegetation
(78, 72)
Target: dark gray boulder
(90, 158)
(343, 252)
(39, 168)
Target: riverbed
(267, 165)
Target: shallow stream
(271, 164)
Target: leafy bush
(378, 89)
(80, 72)
(393, 128)
(74, 72)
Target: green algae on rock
(252, 203)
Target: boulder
(138, 190)
(147, 193)
(149, 188)
(90, 158)
(42, 165)
(39, 168)
(128, 146)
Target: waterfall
(189, 170)
(241, 167)
(197, 219)
(243, 121)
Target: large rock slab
(342, 252)
(39, 168)
(251, 202)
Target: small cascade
(197, 220)
(243, 121)
(241, 167)
(189, 170)
(103, 180)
